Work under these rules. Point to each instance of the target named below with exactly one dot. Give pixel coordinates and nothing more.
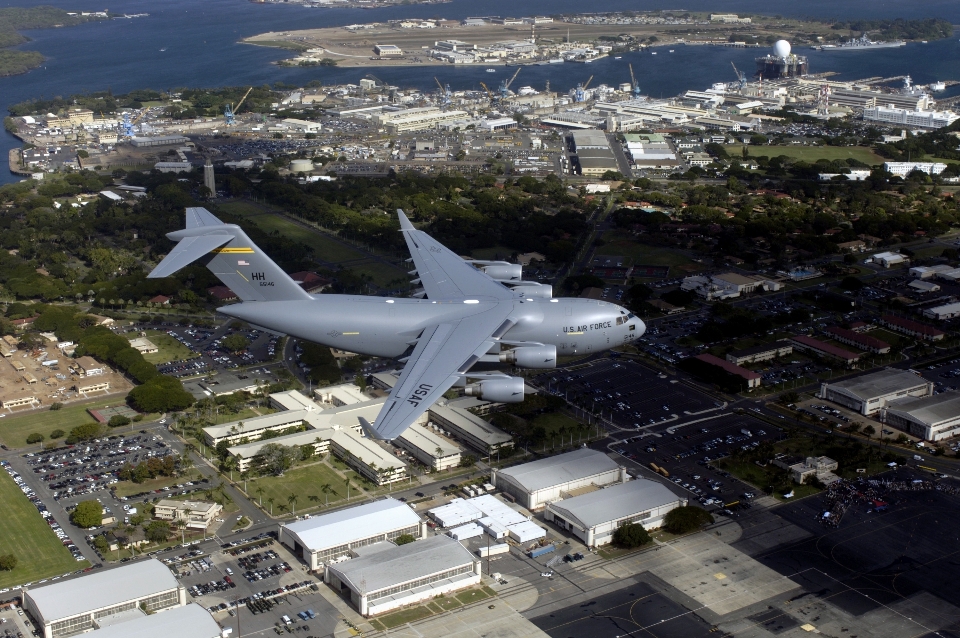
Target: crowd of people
(843, 494)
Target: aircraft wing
(443, 274)
(443, 352)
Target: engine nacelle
(533, 289)
(531, 356)
(503, 271)
(506, 390)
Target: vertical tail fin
(231, 256)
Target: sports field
(810, 153)
(14, 429)
(27, 536)
(646, 255)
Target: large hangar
(536, 483)
(929, 418)
(869, 393)
(77, 605)
(321, 539)
(595, 516)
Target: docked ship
(862, 44)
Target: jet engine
(500, 390)
(533, 289)
(531, 356)
(501, 270)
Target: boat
(923, 41)
(618, 57)
(654, 53)
(163, 49)
(863, 43)
(491, 70)
(671, 50)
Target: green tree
(235, 343)
(87, 514)
(686, 519)
(403, 539)
(36, 437)
(100, 542)
(157, 531)
(631, 535)
(118, 420)
(8, 562)
(57, 434)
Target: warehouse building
(81, 604)
(189, 621)
(535, 484)
(489, 514)
(321, 539)
(757, 354)
(595, 516)
(931, 418)
(416, 119)
(869, 393)
(384, 577)
(948, 311)
(467, 427)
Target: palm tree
(259, 491)
(292, 500)
(346, 482)
(326, 489)
(270, 500)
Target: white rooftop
(423, 439)
(402, 564)
(929, 410)
(294, 400)
(102, 589)
(879, 383)
(560, 469)
(352, 523)
(614, 502)
(189, 621)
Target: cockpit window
(631, 316)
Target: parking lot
(630, 395)
(260, 582)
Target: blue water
(202, 49)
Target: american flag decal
(241, 262)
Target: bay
(201, 42)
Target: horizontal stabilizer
(197, 217)
(188, 251)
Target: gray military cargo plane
(468, 313)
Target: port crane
(229, 112)
(128, 124)
(489, 92)
(634, 85)
(445, 92)
(505, 85)
(741, 78)
(580, 94)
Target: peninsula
(14, 19)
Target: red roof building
(809, 344)
(160, 299)
(751, 377)
(912, 328)
(862, 341)
(222, 293)
(310, 281)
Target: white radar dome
(781, 48)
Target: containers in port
(493, 550)
(540, 551)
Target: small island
(14, 19)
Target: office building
(482, 436)
(803, 343)
(907, 117)
(869, 393)
(758, 354)
(912, 328)
(535, 484)
(195, 514)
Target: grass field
(643, 254)
(169, 349)
(438, 605)
(14, 429)
(27, 536)
(811, 153)
(305, 482)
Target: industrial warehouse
(322, 539)
(869, 393)
(189, 621)
(536, 483)
(931, 418)
(82, 604)
(595, 516)
(385, 576)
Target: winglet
(372, 433)
(404, 222)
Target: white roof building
(433, 450)
(888, 259)
(595, 516)
(869, 393)
(293, 400)
(949, 311)
(322, 539)
(536, 483)
(932, 418)
(341, 395)
(80, 604)
(385, 577)
(189, 621)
